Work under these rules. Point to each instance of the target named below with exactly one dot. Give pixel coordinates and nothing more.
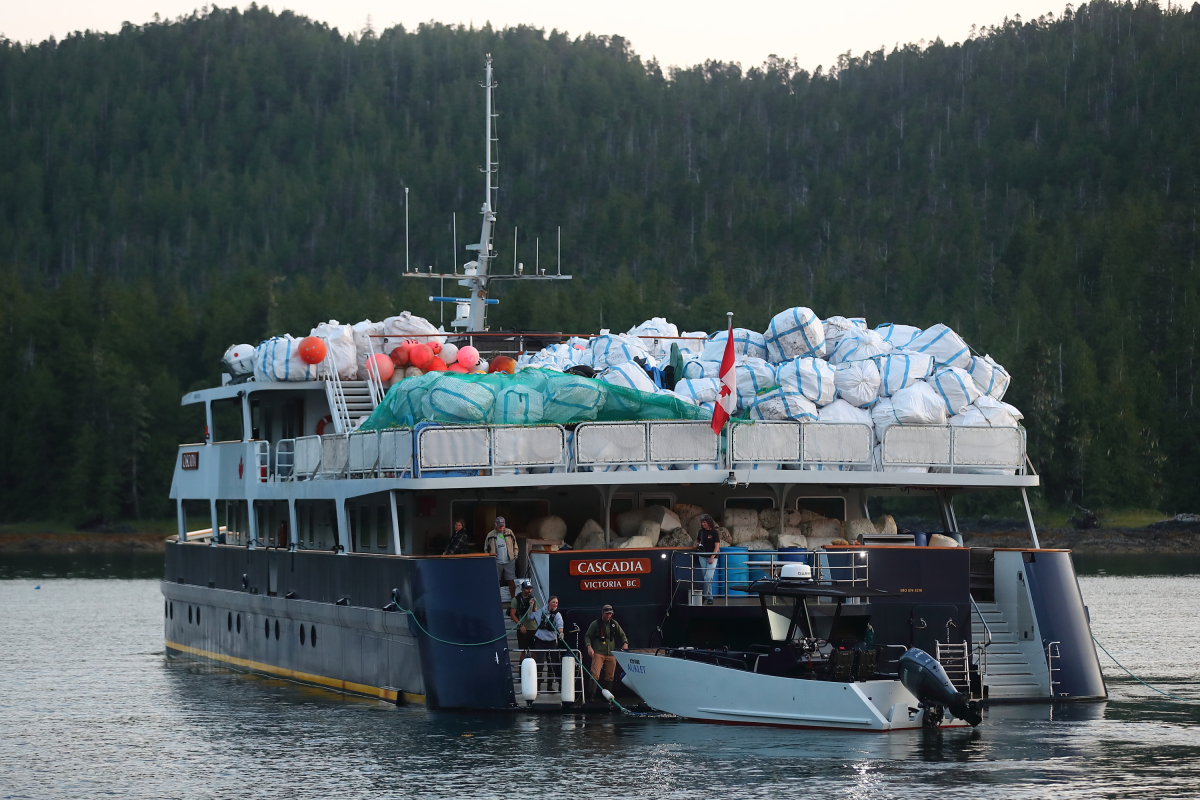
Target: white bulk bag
(691, 342)
(792, 333)
(946, 346)
(988, 404)
(339, 339)
(517, 405)
(857, 382)
(837, 327)
(278, 359)
(992, 378)
(452, 400)
(699, 390)
(365, 346)
(882, 415)
(841, 411)
(405, 325)
(650, 332)
(629, 375)
(956, 387)
(575, 400)
(991, 417)
(858, 346)
(919, 404)
(746, 344)
(811, 377)
(753, 376)
(897, 336)
(900, 369)
(695, 369)
(778, 404)
(609, 350)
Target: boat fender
(529, 679)
(922, 675)
(568, 679)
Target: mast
(471, 310)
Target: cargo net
(530, 397)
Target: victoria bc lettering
(610, 583)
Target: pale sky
(677, 33)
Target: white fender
(529, 679)
(568, 679)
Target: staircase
(358, 404)
(955, 659)
(1008, 672)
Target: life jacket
(547, 621)
(523, 606)
(607, 631)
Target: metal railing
(955, 660)
(335, 393)
(842, 568)
(981, 648)
(1053, 653)
(285, 459)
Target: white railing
(733, 573)
(605, 446)
(335, 393)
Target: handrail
(1053, 651)
(334, 391)
(983, 646)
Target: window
(227, 420)
(828, 507)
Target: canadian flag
(727, 400)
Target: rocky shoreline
(81, 543)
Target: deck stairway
(1008, 673)
(351, 402)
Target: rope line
(425, 630)
(1139, 680)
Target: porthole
(301, 634)
(312, 635)
(239, 623)
(189, 615)
(267, 627)
(171, 610)
(197, 615)
(276, 630)
(166, 609)
(229, 622)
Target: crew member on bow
(502, 544)
(602, 636)
(549, 630)
(522, 612)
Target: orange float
(420, 356)
(437, 365)
(399, 355)
(384, 365)
(503, 364)
(312, 350)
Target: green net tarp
(530, 397)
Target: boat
(796, 678)
(309, 547)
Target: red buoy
(400, 355)
(420, 356)
(312, 349)
(437, 365)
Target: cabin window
(828, 507)
(227, 420)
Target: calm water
(90, 707)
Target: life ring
(325, 420)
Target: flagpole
(728, 437)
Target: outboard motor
(922, 675)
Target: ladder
(350, 402)
(956, 660)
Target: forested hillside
(174, 188)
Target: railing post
(293, 525)
(252, 519)
(181, 519)
(215, 521)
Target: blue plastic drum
(734, 567)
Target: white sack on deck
(956, 387)
(990, 405)
(841, 411)
(882, 415)
(811, 377)
(946, 346)
(919, 404)
(339, 339)
(365, 346)
(897, 336)
(695, 369)
(753, 376)
(609, 350)
(517, 405)
(406, 325)
(901, 369)
(699, 390)
(780, 404)
(629, 375)
(858, 346)
(650, 332)
(691, 342)
(278, 359)
(992, 378)
(793, 333)
(837, 327)
(746, 344)
(857, 382)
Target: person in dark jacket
(602, 637)
(458, 540)
(708, 544)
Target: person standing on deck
(501, 543)
(549, 624)
(602, 635)
(521, 611)
(458, 540)
(708, 541)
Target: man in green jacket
(602, 636)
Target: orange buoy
(457, 367)
(399, 355)
(312, 350)
(468, 356)
(503, 364)
(436, 347)
(437, 365)
(420, 356)
(384, 365)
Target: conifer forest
(177, 187)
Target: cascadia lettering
(611, 566)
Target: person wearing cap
(602, 636)
(708, 544)
(521, 611)
(502, 544)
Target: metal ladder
(956, 660)
(349, 401)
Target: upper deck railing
(432, 450)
